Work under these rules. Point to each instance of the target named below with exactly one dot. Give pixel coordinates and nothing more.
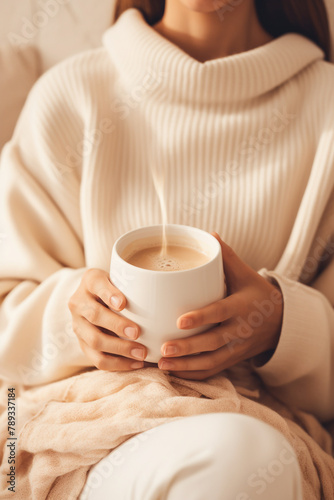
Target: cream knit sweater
(246, 147)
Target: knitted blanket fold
(67, 426)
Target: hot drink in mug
(163, 282)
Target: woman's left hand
(249, 323)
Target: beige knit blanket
(67, 426)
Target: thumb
(229, 255)
(235, 269)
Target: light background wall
(58, 28)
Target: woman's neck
(211, 35)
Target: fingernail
(137, 364)
(186, 322)
(131, 332)
(166, 365)
(138, 353)
(116, 301)
(169, 350)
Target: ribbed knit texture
(244, 145)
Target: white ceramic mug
(156, 299)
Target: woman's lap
(216, 456)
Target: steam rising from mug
(159, 184)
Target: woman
(233, 102)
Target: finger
(100, 286)
(108, 342)
(200, 362)
(229, 255)
(108, 362)
(235, 269)
(217, 312)
(226, 356)
(200, 374)
(99, 315)
(208, 341)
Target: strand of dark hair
(306, 17)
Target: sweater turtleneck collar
(137, 50)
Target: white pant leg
(216, 456)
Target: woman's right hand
(98, 327)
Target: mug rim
(206, 234)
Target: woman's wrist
(275, 334)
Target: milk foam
(177, 258)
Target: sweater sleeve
(41, 251)
(301, 370)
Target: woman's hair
(306, 17)
(152, 10)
